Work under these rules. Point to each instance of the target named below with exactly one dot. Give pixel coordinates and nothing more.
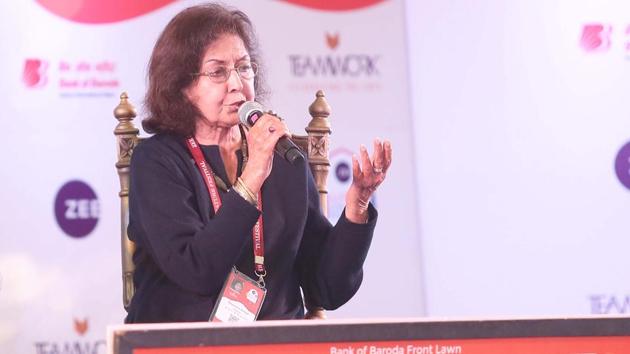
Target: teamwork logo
(331, 67)
(334, 65)
(332, 40)
(77, 209)
(81, 326)
(603, 304)
(72, 345)
(34, 74)
(596, 37)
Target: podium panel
(610, 335)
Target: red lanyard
(208, 178)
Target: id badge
(240, 299)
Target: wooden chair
(315, 145)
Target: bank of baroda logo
(34, 74)
(595, 37)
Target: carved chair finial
(125, 111)
(319, 108)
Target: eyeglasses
(221, 74)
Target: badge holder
(240, 300)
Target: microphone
(249, 112)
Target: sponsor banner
(72, 78)
(362, 70)
(521, 130)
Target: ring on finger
(377, 170)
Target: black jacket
(184, 252)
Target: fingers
(267, 130)
(261, 140)
(382, 156)
(387, 147)
(378, 164)
(365, 161)
(356, 168)
(378, 156)
(273, 124)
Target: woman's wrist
(252, 179)
(357, 215)
(357, 202)
(244, 191)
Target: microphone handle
(288, 150)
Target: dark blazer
(184, 251)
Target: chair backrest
(315, 144)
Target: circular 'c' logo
(77, 209)
(343, 172)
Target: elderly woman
(209, 196)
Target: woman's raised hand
(366, 177)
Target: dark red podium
(610, 335)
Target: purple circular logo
(622, 165)
(76, 209)
(342, 171)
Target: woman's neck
(227, 138)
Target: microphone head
(249, 112)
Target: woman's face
(219, 101)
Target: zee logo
(595, 37)
(77, 209)
(34, 75)
(81, 209)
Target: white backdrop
(60, 82)
(520, 109)
(519, 119)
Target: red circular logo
(98, 11)
(338, 5)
